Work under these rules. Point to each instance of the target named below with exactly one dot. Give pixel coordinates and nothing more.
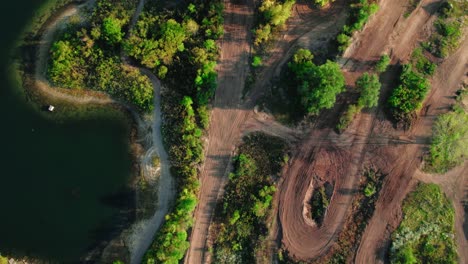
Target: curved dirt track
(386, 31)
(231, 117)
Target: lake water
(61, 185)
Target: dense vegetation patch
(449, 25)
(317, 86)
(426, 234)
(273, 16)
(360, 12)
(409, 95)
(88, 56)
(449, 146)
(241, 224)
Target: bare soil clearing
(400, 156)
(226, 120)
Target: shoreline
(26, 75)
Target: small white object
(51, 108)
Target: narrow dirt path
(226, 120)
(142, 232)
(402, 162)
(302, 239)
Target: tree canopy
(318, 86)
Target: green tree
(112, 30)
(321, 86)
(369, 87)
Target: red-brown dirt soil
(229, 116)
(371, 139)
(226, 120)
(395, 152)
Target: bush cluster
(409, 95)
(317, 86)
(89, 56)
(421, 63)
(360, 12)
(247, 199)
(426, 234)
(273, 15)
(449, 25)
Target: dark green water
(60, 185)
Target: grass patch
(241, 222)
(449, 146)
(426, 233)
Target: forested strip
(177, 41)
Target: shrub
(421, 63)
(369, 86)
(382, 64)
(257, 61)
(347, 117)
(317, 85)
(409, 95)
(273, 14)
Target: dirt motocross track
(370, 140)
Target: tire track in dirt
(226, 119)
(388, 212)
(306, 242)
